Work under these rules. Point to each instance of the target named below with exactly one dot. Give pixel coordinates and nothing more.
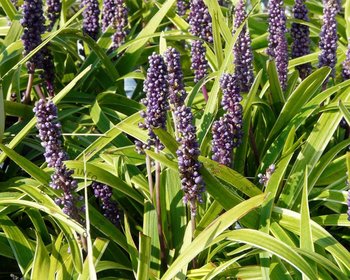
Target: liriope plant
(262, 163)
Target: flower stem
(254, 147)
(39, 92)
(205, 93)
(193, 225)
(159, 216)
(149, 175)
(28, 89)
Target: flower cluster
(264, 178)
(156, 88)
(120, 23)
(199, 64)
(181, 6)
(53, 12)
(109, 207)
(328, 42)
(33, 24)
(50, 135)
(188, 152)
(227, 131)
(243, 55)
(200, 21)
(177, 91)
(108, 13)
(301, 37)
(278, 46)
(91, 15)
(346, 65)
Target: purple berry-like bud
(200, 21)
(346, 65)
(264, 178)
(177, 91)
(109, 207)
(33, 24)
(301, 37)
(62, 180)
(53, 12)
(227, 131)
(91, 15)
(278, 46)
(120, 24)
(50, 135)
(50, 132)
(243, 55)
(188, 152)
(198, 61)
(182, 6)
(157, 89)
(328, 42)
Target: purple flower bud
(243, 55)
(188, 152)
(177, 93)
(200, 21)
(62, 180)
(227, 131)
(328, 36)
(53, 12)
(182, 6)
(50, 132)
(109, 207)
(50, 135)
(346, 65)
(198, 61)
(264, 178)
(301, 37)
(91, 15)
(278, 46)
(157, 89)
(33, 24)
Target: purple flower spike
(91, 15)
(328, 42)
(264, 178)
(157, 89)
(33, 24)
(301, 37)
(49, 70)
(120, 24)
(199, 64)
(278, 46)
(108, 13)
(200, 21)
(50, 133)
(188, 152)
(182, 6)
(177, 91)
(346, 65)
(227, 131)
(109, 207)
(62, 180)
(115, 14)
(243, 55)
(53, 12)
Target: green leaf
(143, 267)
(27, 165)
(291, 221)
(41, 262)
(266, 242)
(207, 236)
(19, 243)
